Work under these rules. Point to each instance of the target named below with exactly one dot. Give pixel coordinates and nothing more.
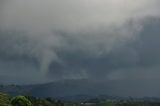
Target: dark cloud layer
(105, 40)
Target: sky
(100, 40)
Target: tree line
(6, 100)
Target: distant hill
(78, 90)
(67, 89)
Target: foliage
(4, 100)
(126, 102)
(47, 102)
(20, 101)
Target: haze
(98, 40)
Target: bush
(4, 100)
(20, 101)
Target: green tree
(20, 101)
(4, 100)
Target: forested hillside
(7, 100)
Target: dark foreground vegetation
(6, 100)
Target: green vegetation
(20, 101)
(128, 102)
(47, 102)
(6, 100)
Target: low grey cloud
(79, 39)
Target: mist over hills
(112, 44)
(83, 89)
(57, 89)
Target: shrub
(20, 101)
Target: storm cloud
(50, 40)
